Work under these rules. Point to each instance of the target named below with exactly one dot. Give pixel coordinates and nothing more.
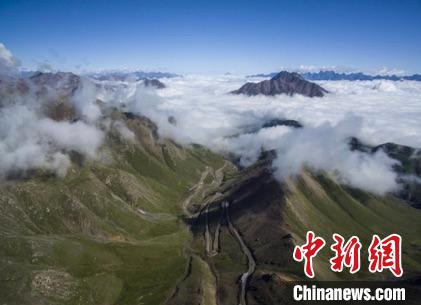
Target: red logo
(308, 251)
(383, 254)
(346, 254)
(386, 254)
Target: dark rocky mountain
(64, 83)
(150, 79)
(153, 83)
(332, 75)
(282, 122)
(283, 83)
(60, 83)
(269, 123)
(53, 92)
(415, 77)
(11, 85)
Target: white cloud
(390, 111)
(390, 71)
(312, 68)
(8, 63)
(325, 147)
(205, 114)
(28, 141)
(85, 100)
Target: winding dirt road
(212, 247)
(212, 244)
(196, 189)
(251, 262)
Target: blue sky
(213, 36)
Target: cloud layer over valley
(198, 109)
(374, 111)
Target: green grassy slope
(317, 203)
(113, 230)
(110, 232)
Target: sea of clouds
(204, 112)
(374, 111)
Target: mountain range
(123, 75)
(332, 75)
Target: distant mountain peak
(284, 82)
(287, 76)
